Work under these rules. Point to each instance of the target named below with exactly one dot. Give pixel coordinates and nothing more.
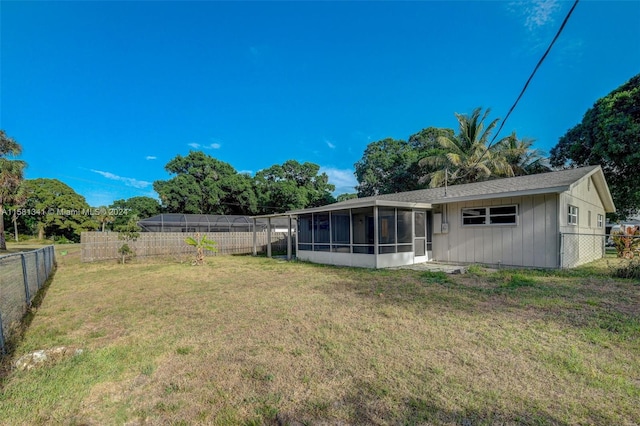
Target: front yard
(259, 341)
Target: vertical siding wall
(585, 197)
(583, 249)
(532, 242)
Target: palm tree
(19, 200)
(11, 174)
(522, 157)
(466, 157)
(104, 216)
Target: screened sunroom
(372, 236)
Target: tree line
(609, 135)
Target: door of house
(420, 236)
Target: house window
(498, 215)
(572, 218)
(600, 221)
(589, 218)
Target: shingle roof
(543, 183)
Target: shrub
(628, 270)
(201, 244)
(126, 252)
(61, 240)
(626, 241)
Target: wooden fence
(105, 245)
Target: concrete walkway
(435, 267)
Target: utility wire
(566, 19)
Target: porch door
(420, 236)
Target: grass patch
(258, 341)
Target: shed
(548, 220)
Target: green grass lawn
(253, 341)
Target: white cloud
(214, 145)
(535, 13)
(343, 179)
(151, 157)
(127, 181)
(329, 144)
(246, 172)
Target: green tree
(103, 215)
(11, 175)
(392, 165)
(143, 207)
(61, 211)
(19, 200)
(427, 139)
(205, 185)
(387, 166)
(522, 157)
(345, 197)
(609, 136)
(466, 157)
(292, 185)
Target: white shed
(549, 220)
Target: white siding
(532, 242)
(581, 243)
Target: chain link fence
(21, 276)
(577, 249)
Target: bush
(61, 240)
(626, 241)
(630, 269)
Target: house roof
(543, 183)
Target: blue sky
(102, 95)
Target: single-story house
(549, 220)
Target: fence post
(37, 270)
(25, 279)
(255, 238)
(561, 251)
(46, 258)
(2, 345)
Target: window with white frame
(495, 215)
(572, 216)
(600, 221)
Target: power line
(566, 19)
(564, 22)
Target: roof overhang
(363, 204)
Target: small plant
(128, 233)
(627, 241)
(201, 244)
(125, 251)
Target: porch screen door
(420, 233)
